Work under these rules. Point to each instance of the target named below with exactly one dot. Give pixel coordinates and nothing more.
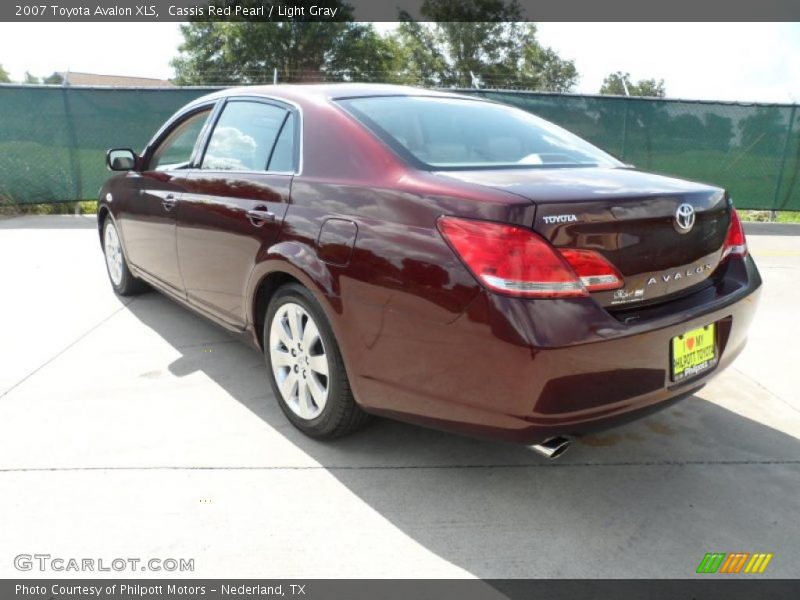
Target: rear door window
(283, 155)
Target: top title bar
(152, 11)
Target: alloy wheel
(299, 362)
(113, 250)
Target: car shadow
(645, 500)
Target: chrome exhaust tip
(552, 448)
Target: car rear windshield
(454, 133)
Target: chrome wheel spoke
(307, 408)
(282, 358)
(295, 326)
(279, 333)
(310, 335)
(288, 386)
(319, 364)
(317, 392)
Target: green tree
(31, 79)
(418, 59)
(473, 35)
(543, 69)
(54, 79)
(363, 55)
(302, 50)
(620, 84)
(4, 78)
(480, 42)
(651, 88)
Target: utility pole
(476, 83)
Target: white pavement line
(652, 463)
(775, 395)
(67, 347)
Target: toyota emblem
(684, 218)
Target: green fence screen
(53, 139)
(753, 150)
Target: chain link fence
(53, 139)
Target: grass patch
(764, 216)
(84, 207)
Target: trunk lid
(629, 217)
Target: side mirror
(121, 159)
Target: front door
(234, 204)
(149, 226)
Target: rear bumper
(524, 371)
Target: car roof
(301, 93)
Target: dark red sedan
(432, 258)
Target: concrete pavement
(137, 429)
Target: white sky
(713, 61)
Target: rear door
(148, 225)
(234, 203)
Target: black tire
(127, 284)
(340, 414)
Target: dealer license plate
(694, 352)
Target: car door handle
(168, 202)
(260, 215)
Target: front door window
(175, 151)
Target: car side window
(175, 151)
(244, 137)
(282, 159)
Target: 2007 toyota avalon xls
(433, 258)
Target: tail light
(516, 261)
(735, 242)
(596, 273)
